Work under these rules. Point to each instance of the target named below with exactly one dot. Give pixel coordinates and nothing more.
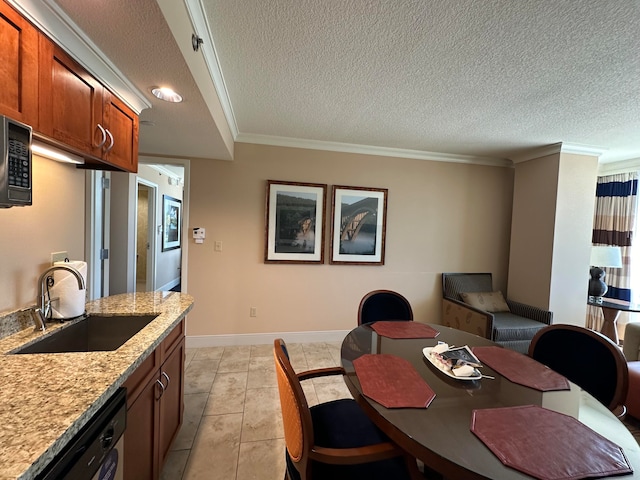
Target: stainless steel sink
(93, 334)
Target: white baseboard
(199, 341)
(168, 286)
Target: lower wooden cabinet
(140, 435)
(155, 407)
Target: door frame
(184, 241)
(152, 222)
(97, 232)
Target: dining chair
(587, 358)
(333, 440)
(383, 305)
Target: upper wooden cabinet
(43, 86)
(78, 111)
(121, 124)
(19, 67)
(70, 100)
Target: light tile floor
(232, 426)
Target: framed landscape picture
(171, 223)
(358, 225)
(295, 219)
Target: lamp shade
(606, 256)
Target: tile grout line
(244, 408)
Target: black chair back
(384, 305)
(586, 358)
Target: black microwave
(15, 163)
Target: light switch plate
(58, 257)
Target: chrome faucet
(41, 312)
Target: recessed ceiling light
(166, 94)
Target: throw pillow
(487, 301)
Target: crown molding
(370, 150)
(164, 170)
(577, 149)
(198, 19)
(612, 168)
(557, 148)
(537, 152)
(48, 17)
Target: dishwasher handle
(107, 438)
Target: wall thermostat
(199, 234)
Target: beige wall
(532, 230)
(572, 246)
(551, 234)
(142, 234)
(440, 217)
(55, 222)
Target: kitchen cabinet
(19, 72)
(123, 125)
(77, 111)
(70, 100)
(155, 408)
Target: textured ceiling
(465, 77)
(141, 45)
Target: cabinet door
(19, 71)
(70, 101)
(140, 457)
(122, 124)
(172, 401)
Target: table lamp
(601, 256)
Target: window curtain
(613, 224)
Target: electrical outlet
(58, 257)
(253, 312)
(217, 246)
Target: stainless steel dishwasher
(96, 452)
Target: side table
(611, 311)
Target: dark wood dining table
(440, 435)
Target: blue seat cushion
(343, 424)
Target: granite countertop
(45, 399)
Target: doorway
(112, 233)
(145, 236)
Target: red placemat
(392, 381)
(547, 445)
(521, 369)
(404, 329)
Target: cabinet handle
(162, 387)
(164, 374)
(110, 144)
(104, 136)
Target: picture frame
(358, 225)
(294, 222)
(171, 223)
